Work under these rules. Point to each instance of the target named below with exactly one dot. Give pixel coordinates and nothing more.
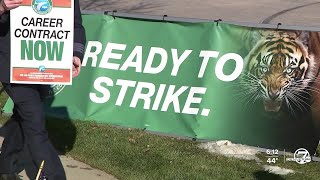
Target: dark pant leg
(29, 106)
(12, 146)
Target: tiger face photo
(281, 70)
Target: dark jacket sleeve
(4, 17)
(79, 32)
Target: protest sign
(42, 42)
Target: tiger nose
(274, 93)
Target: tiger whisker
(248, 80)
(291, 99)
(302, 91)
(311, 89)
(257, 97)
(295, 101)
(244, 84)
(248, 98)
(253, 78)
(300, 100)
(244, 94)
(314, 88)
(298, 94)
(251, 100)
(248, 74)
(290, 107)
(308, 81)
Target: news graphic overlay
(272, 156)
(42, 42)
(301, 156)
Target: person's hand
(6, 5)
(76, 67)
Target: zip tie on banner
(163, 17)
(217, 21)
(114, 11)
(279, 24)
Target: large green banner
(212, 81)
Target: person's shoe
(42, 177)
(9, 177)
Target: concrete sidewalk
(76, 170)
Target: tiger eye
(264, 69)
(289, 70)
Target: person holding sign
(26, 129)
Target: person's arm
(79, 32)
(2, 8)
(3, 13)
(79, 40)
(5, 7)
(4, 16)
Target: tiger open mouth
(272, 105)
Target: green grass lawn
(136, 155)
